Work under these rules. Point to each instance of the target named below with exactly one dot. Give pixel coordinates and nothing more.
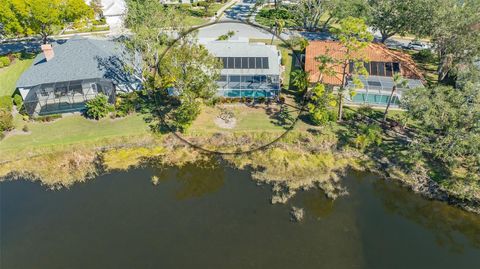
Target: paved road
(6, 48)
(240, 11)
(236, 13)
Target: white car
(417, 45)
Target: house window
(374, 68)
(251, 62)
(396, 67)
(381, 69)
(388, 69)
(225, 62)
(244, 62)
(265, 62)
(258, 63)
(238, 62)
(367, 67)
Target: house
(249, 69)
(381, 64)
(114, 11)
(69, 73)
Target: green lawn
(248, 119)
(10, 74)
(70, 130)
(196, 15)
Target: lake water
(219, 218)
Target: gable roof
(373, 52)
(76, 59)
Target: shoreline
(288, 166)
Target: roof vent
(48, 52)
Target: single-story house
(381, 64)
(71, 72)
(249, 69)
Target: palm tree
(279, 25)
(398, 81)
(300, 80)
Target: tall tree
(44, 15)
(391, 17)
(338, 10)
(309, 12)
(449, 120)
(27, 17)
(279, 25)
(13, 17)
(180, 74)
(455, 36)
(354, 36)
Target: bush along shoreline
(299, 161)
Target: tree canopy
(449, 120)
(391, 17)
(455, 35)
(28, 17)
(353, 34)
(179, 73)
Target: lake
(218, 217)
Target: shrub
(285, 56)
(18, 100)
(98, 107)
(6, 120)
(4, 61)
(261, 99)
(425, 55)
(25, 128)
(185, 114)
(366, 111)
(6, 103)
(48, 118)
(125, 104)
(368, 135)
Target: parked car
(417, 45)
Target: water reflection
(195, 180)
(317, 204)
(444, 221)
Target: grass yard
(71, 130)
(197, 16)
(267, 16)
(259, 118)
(427, 64)
(10, 74)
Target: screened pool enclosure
(249, 69)
(237, 86)
(377, 89)
(63, 97)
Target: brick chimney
(48, 52)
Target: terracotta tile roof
(373, 52)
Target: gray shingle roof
(78, 58)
